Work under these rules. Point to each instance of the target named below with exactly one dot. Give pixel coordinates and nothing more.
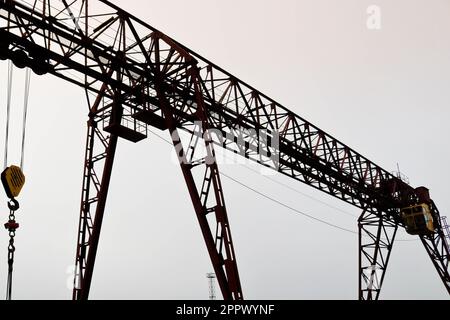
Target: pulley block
(13, 181)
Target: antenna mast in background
(212, 285)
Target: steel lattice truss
(136, 77)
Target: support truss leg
(208, 200)
(100, 151)
(206, 194)
(437, 248)
(376, 237)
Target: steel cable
(8, 110)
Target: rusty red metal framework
(136, 77)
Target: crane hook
(13, 204)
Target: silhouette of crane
(143, 79)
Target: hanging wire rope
(309, 216)
(302, 193)
(8, 111)
(287, 206)
(25, 113)
(16, 173)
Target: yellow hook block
(13, 181)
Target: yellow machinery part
(13, 181)
(418, 219)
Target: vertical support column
(376, 238)
(93, 201)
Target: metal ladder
(446, 230)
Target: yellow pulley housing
(13, 181)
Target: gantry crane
(136, 78)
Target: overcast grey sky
(383, 92)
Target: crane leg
(206, 191)
(437, 248)
(376, 237)
(198, 164)
(100, 151)
(207, 197)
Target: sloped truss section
(199, 165)
(438, 248)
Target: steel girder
(79, 42)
